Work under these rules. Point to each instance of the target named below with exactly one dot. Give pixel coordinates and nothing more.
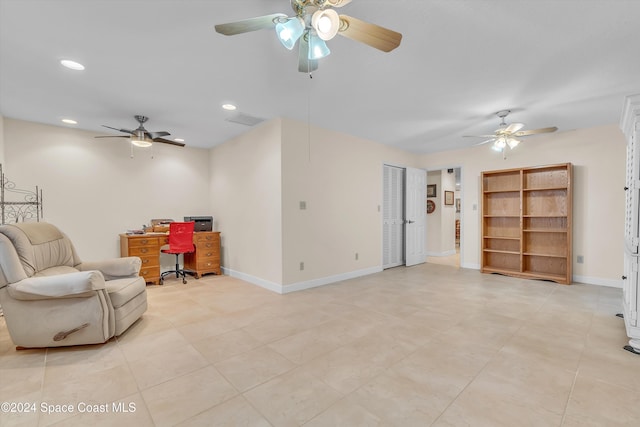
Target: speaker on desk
(203, 223)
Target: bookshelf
(526, 222)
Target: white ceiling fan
(508, 135)
(314, 23)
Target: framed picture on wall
(448, 197)
(431, 190)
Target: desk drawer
(144, 251)
(204, 237)
(143, 242)
(207, 265)
(149, 261)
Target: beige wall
(598, 155)
(1, 140)
(246, 198)
(253, 184)
(93, 190)
(339, 177)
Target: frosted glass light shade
(317, 47)
(290, 31)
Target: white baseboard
(445, 253)
(271, 286)
(612, 283)
(308, 284)
(471, 266)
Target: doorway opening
(444, 216)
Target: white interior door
(393, 217)
(415, 216)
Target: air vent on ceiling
(245, 119)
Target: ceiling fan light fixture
(139, 139)
(326, 23)
(499, 144)
(512, 143)
(289, 32)
(317, 47)
(142, 143)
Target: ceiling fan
(141, 137)
(508, 135)
(314, 23)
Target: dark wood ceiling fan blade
(370, 34)
(247, 25)
(113, 136)
(168, 141)
(154, 135)
(536, 131)
(120, 130)
(305, 65)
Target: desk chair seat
(180, 242)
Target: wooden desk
(205, 259)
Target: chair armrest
(82, 284)
(114, 268)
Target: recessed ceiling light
(73, 65)
(229, 107)
(69, 121)
(179, 140)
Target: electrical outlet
(301, 265)
(303, 205)
(356, 256)
(580, 259)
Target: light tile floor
(429, 345)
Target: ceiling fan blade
(478, 136)
(305, 65)
(535, 131)
(154, 135)
(119, 130)
(371, 34)
(113, 136)
(247, 25)
(338, 3)
(168, 141)
(513, 127)
(484, 142)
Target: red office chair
(180, 242)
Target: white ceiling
(565, 63)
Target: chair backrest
(39, 246)
(181, 236)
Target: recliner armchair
(51, 298)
